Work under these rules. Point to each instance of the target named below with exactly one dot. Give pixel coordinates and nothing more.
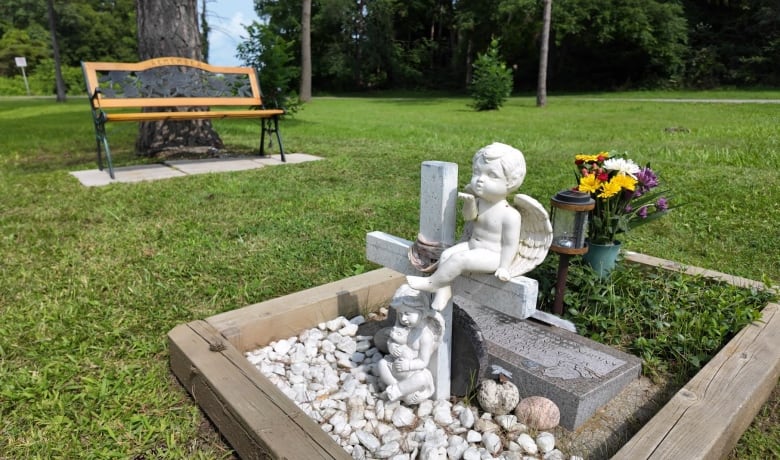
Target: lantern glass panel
(569, 228)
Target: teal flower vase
(602, 257)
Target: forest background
(595, 45)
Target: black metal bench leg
(262, 137)
(266, 126)
(100, 134)
(99, 154)
(279, 138)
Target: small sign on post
(21, 62)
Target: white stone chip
(402, 416)
(545, 441)
(527, 443)
(368, 440)
(492, 443)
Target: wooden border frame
(703, 420)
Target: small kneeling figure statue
(412, 340)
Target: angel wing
(535, 235)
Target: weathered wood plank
(706, 418)
(259, 324)
(182, 116)
(252, 414)
(644, 259)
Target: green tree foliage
(87, 30)
(32, 43)
(433, 44)
(733, 42)
(618, 43)
(271, 55)
(492, 83)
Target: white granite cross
(438, 212)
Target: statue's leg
(441, 298)
(383, 368)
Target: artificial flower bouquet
(626, 194)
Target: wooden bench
(169, 83)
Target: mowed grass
(93, 278)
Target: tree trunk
(56, 51)
(541, 89)
(170, 28)
(306, 52)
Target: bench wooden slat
(103, 102)
(183, 116)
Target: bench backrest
(170, 82)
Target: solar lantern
(569, 215)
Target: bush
(273, 58)
(491, 84)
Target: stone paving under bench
(180, 168)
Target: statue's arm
(469, 205)
(425, 352)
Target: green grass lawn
(93, 278)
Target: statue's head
(511, 160)
(408, 297)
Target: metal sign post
(21, 62)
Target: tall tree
(60, 83)
(170, 28)
(544, 51)
(305, 94)
(204, 32)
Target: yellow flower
(589, 184)
(610, 189)
(625, 182)
(586, 158)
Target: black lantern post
(569, 216)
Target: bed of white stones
(329, 372)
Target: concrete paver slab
(215, 165)
(292, 158)
(137, 173)
(179, 168)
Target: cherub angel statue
(411, 342)
(500, 238)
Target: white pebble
(492, 443)
(466, 418)
(358, 320)
(402, 416)
(349, 330)
(474, 437)
(527, 443)
(368, 440)
(336, 324)
(545, 441)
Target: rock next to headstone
(498, 398)
(344, 400)
(538, 412)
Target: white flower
(622, 166)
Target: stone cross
(438, 212)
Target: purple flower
(642, 212)
(662, 204)
(647, 178)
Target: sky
(227, 19)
